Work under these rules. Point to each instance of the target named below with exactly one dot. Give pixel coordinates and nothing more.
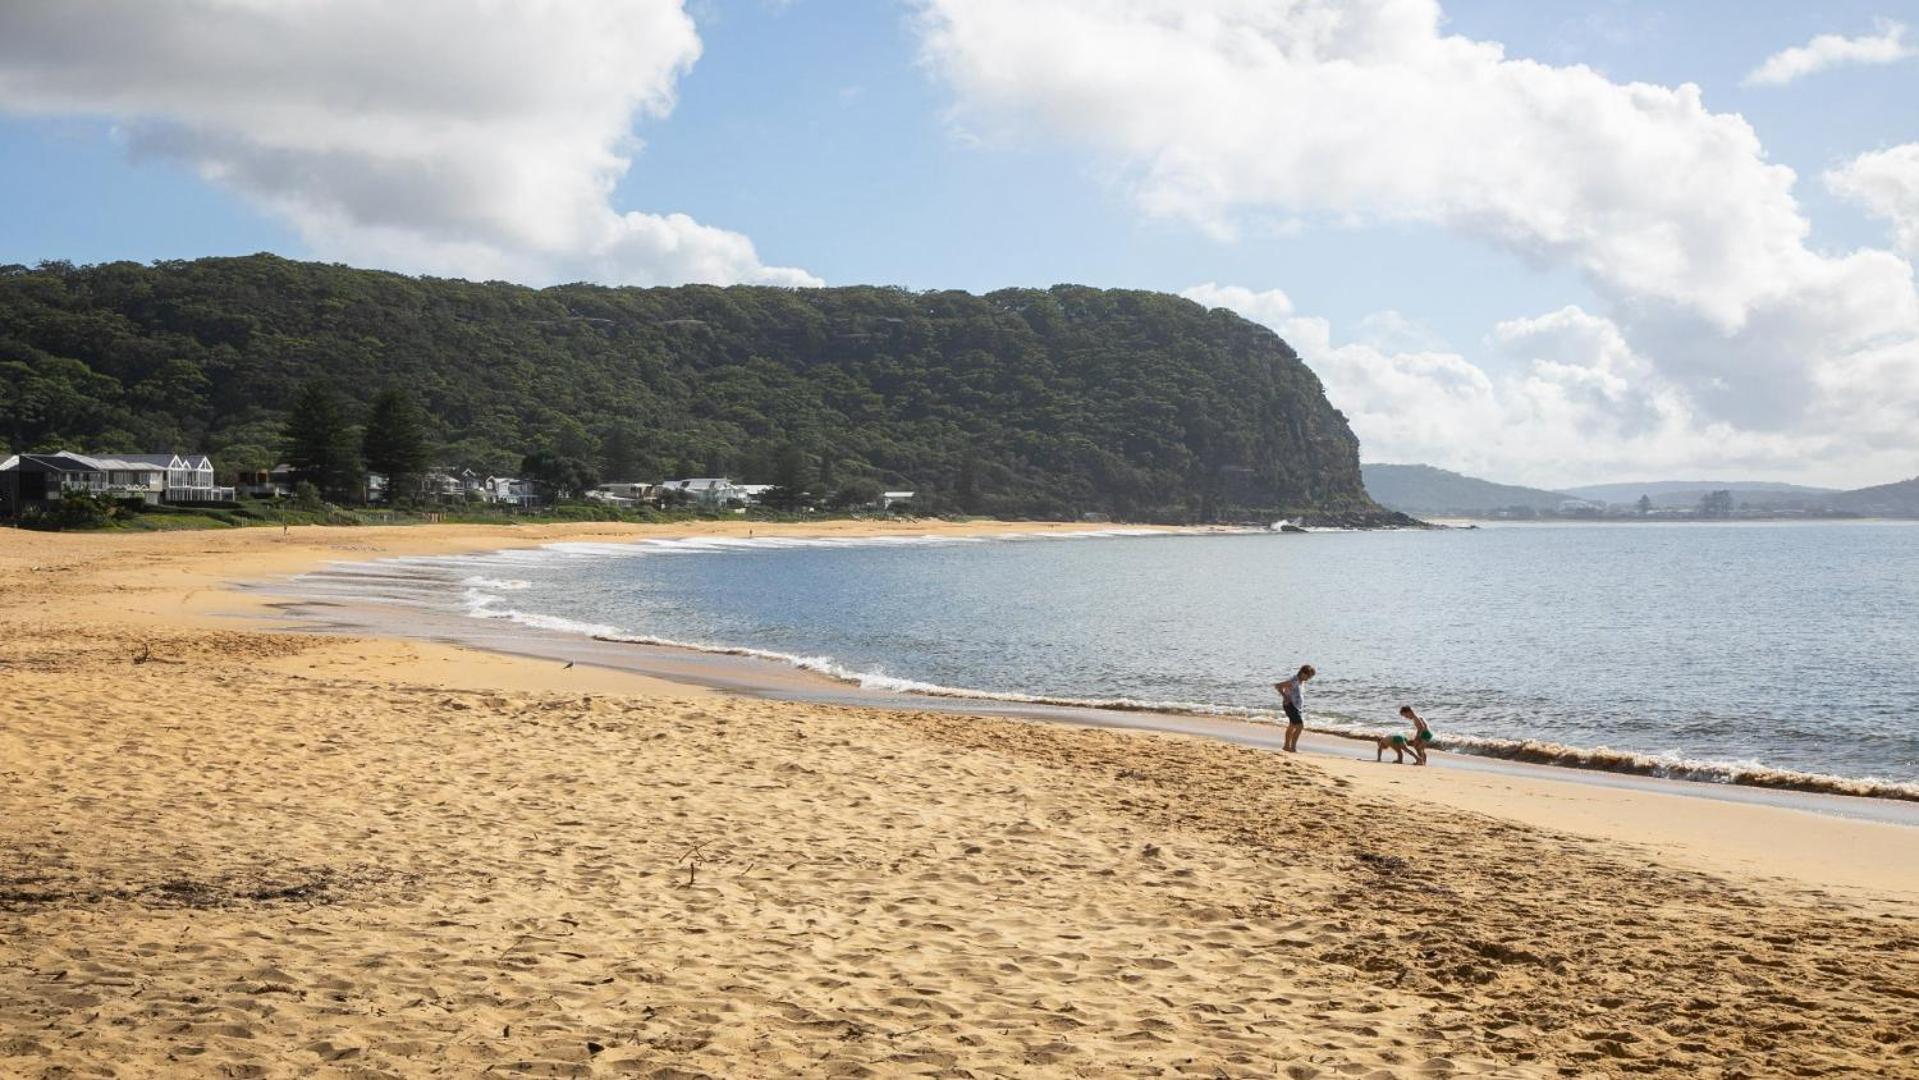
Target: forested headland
(1043, 403)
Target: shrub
(77, 510)
(307, 497)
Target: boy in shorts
(1291, 699)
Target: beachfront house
(625, 491)
(509, 490)
(274, 483)
(33, 480)
(750, 493)
(891, 499)
(707, 492)
(189, 477)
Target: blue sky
(826, 134)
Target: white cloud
(1271, 307)
(1831, 51)
(1735, 341)
(1886, 183)
(440, 136)
(1363, 111)
(1581, 406)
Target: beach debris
(298, 885)
(1385, 864)
(691, 858)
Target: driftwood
(145, 656)
(692, 859)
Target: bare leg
(1292, 737)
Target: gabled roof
(58, 462)
(170, 461)
(120, 464)
(68, 461)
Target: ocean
(1694, 650)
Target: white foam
(879, 680)
(484, 610)
(1669, 765)
(505, 584)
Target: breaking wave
(1669, 766)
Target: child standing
(1291, 699)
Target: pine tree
(394, 444)
(620, 453)
(792, 479)
(320, 443)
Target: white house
(509, 490)
(189, 477)
(704, 491)
(890, 499)
(631, 491)
(750, 493)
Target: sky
(1544, 243)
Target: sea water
(1712, 647)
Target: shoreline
(744, 668)
(239, 850)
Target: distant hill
(1423, 489)
(1899, 499)
(1687, 493)
(1020, 403)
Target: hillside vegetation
(1023, 402)
(1900, 499)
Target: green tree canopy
(320, 443)
(557, 475)
(394, 443)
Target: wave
(506, 584)
(874, 680)
(1667, 766)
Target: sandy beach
(231, 850)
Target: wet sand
(231, 850)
